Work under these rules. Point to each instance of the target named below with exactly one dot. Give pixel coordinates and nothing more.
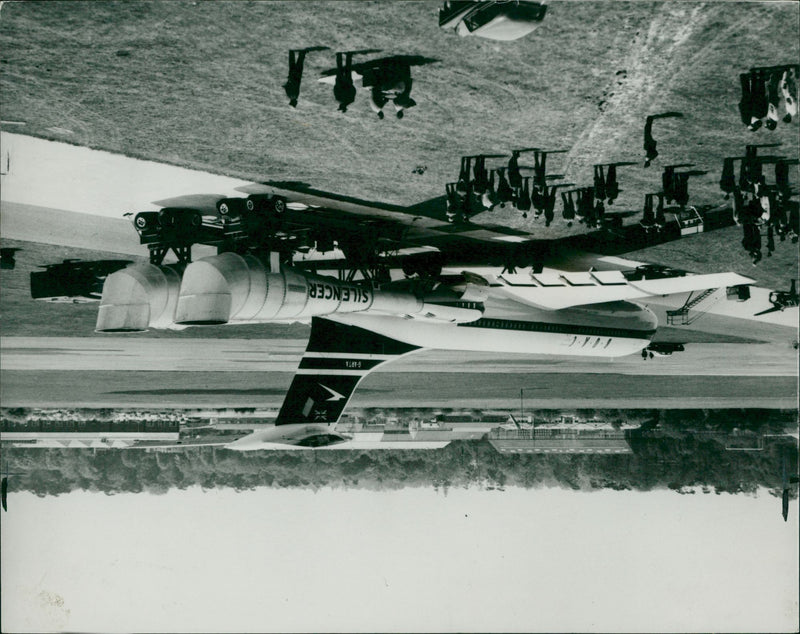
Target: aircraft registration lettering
(320, 290)
(352, 364)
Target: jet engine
(290, 437)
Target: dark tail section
(336, 359)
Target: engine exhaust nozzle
(138, 297)
(218, 288)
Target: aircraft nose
(649, 319)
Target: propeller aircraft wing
(204, 203)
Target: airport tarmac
(119, 372)
(114, 354)
(385, 389)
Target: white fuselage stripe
(349, 355)
(331, 372)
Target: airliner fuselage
(612, 329)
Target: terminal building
(83, 434)
(564, 441)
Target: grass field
(200, 84)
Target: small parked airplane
(493, 19)
(781, 300)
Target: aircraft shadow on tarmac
(171, 392)
(256, 391)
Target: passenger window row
(588, 331)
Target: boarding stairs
(683, 311)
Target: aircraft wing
(418, 229)
(206, 203)
(554, 291)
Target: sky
(409, 560)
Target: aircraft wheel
(166, 218)
(433, 266)
(194, 219)
(522, 260)
(279, 205)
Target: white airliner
(356, 328)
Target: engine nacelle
(233, 289)
(138, 297)
(290, 437)
(230, 288)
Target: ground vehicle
(494, 20)
(781, 300)
(664, 349)
(652, 272)
(689, 221)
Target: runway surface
(115, 371)
(443, 389)
(114, 354)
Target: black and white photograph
(399, 316)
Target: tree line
(677, 461)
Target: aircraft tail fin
(337, 358)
